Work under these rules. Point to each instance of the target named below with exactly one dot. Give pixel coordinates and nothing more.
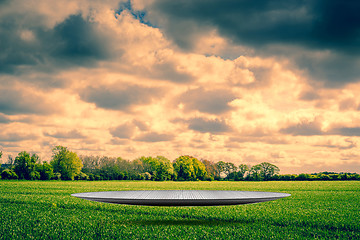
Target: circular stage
(181, 197)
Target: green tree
(150, 165)
(137, 166)
(229, 168)
(243, 170)
(288, 177)
(268, 170)
(10, 161)
(255, 173)
(189, 168)
(45, 170)
(199, 168)
(160, 167)
(1, 169)
(220, 169)
(91, 164)
(110, 168)
(165, 170)
(67, 163)
(184, 168)
(25, 166)
(303, 176)
(210, 169)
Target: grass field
(45, 210)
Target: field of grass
(45, 210)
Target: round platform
(181, 197)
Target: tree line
(67, 165)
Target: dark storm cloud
(348, 104)
(4, 118)
(320, 24)
(204, 125)
(346, 131)
(154, 137)
(331, 25)
(250, 22)
(214, 101)
(313, 128)
(119, 141)
(141, 125)
(3, 2)
(74, 134)
(125, 130)
(75, 41)
(309, 96)
(333, 68)
(15, 51)
(310, 128)
(16, 137)
(120, 99)
(20, 102)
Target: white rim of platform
(181, 197)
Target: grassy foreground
(45, 210)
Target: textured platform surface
(181, 197)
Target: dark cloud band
(120, 99)
(214, 101)
(204, 125)
(74, 42)
(296, 28)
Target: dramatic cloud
(309, 96)
(237, 81)
(203, 125)
(17, 137)
(141, 125)
(306, 128)
(215, 101)
(75, 41)
(4, 118)
(346, 131)
(328, 29)
(346, 144)
(120, 99)
(125, 130)
(23, 101)
(154, 137)
(74, 134)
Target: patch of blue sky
(139, 15)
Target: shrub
(81, 176)
(57, 176)
(8, 174)
(34, 175)
(147, 176)
(97, 177)
(46, 171)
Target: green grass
(45, 210)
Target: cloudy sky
(237, 81)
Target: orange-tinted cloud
(114, 79)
